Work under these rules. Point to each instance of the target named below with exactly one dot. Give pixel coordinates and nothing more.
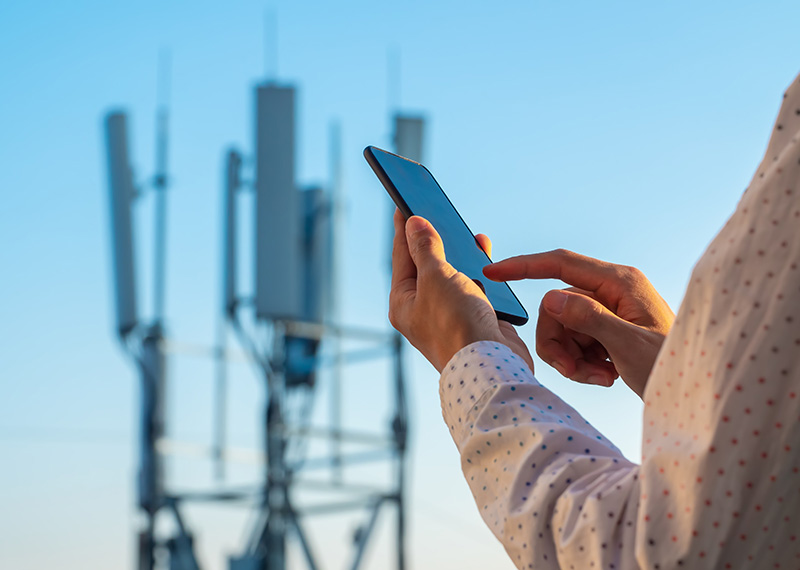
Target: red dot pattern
(719, 484)
(726, 382)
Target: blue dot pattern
(552, 489)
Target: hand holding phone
(416, 192)
(437, 308)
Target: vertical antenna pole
(276, 489)
(393, 101)
(393, 79)
(408, 141)
(337, 206)
(233, 163)
(220, 398)
(151, 425)
(160, 183)
(400, 428)
(271, 44)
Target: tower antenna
(271, 44)
(160, 183)
(393, 79)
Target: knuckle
(620, 273)
(541, 352)
(393, 317)
(628, 275)
(395, 313)
(562, 253)
(424, 243)
(632, 274)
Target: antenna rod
(220, 397)
(271, 44)
(337, 221)
(233, 163)
(335, 305)
(393, 79)
(160, 183)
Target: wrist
(465, 339)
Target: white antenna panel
(408, 136)
(278, 288)
(318, 237)
(121, 190)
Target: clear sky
(625, 131)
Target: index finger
(402, 265)
(570, 267)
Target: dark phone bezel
(401, 204)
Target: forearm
(551, 488)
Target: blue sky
(623, 131)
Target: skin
(438, 309)
(609, 324)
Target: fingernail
(560, 367)
(598, 379)
(414, 224)
(554, 302)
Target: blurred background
(622, 131)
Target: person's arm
(552, 489)
(541, 475)
(719, 484)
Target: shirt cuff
(472, 375)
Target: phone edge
(516, 320)
(384, 179)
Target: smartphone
(416, 193)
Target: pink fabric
(719, 484)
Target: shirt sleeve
(720, 476)
(552, 489)
(719, 483)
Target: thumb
(586, 315)
(424, 244)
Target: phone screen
(417, 193)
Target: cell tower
(143, 340)
(296, 308)
(290, 325)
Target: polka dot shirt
(719, 483)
